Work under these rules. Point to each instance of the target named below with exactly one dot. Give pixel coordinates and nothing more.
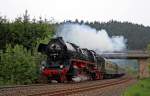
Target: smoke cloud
(87, 37)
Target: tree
(24, 32)
(17, 66)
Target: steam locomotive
(68, 62)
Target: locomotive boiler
(68, 62)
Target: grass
(142, 88)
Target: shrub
(17, 66)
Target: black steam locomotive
(67, 62)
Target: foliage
(131, 71)
(24, 31)
(148, 48)
(19, 61)
(140, 89)
(17, 66)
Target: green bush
(140, 89)
(17, 66)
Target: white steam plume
(87, 37)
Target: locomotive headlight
(43, 64)
(42, 67)
(61, 66)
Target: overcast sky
(136, 11)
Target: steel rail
(68, 91)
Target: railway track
(69, 91)
(59, 89)
(20, 86)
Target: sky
(135, 11)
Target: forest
(19, 38)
